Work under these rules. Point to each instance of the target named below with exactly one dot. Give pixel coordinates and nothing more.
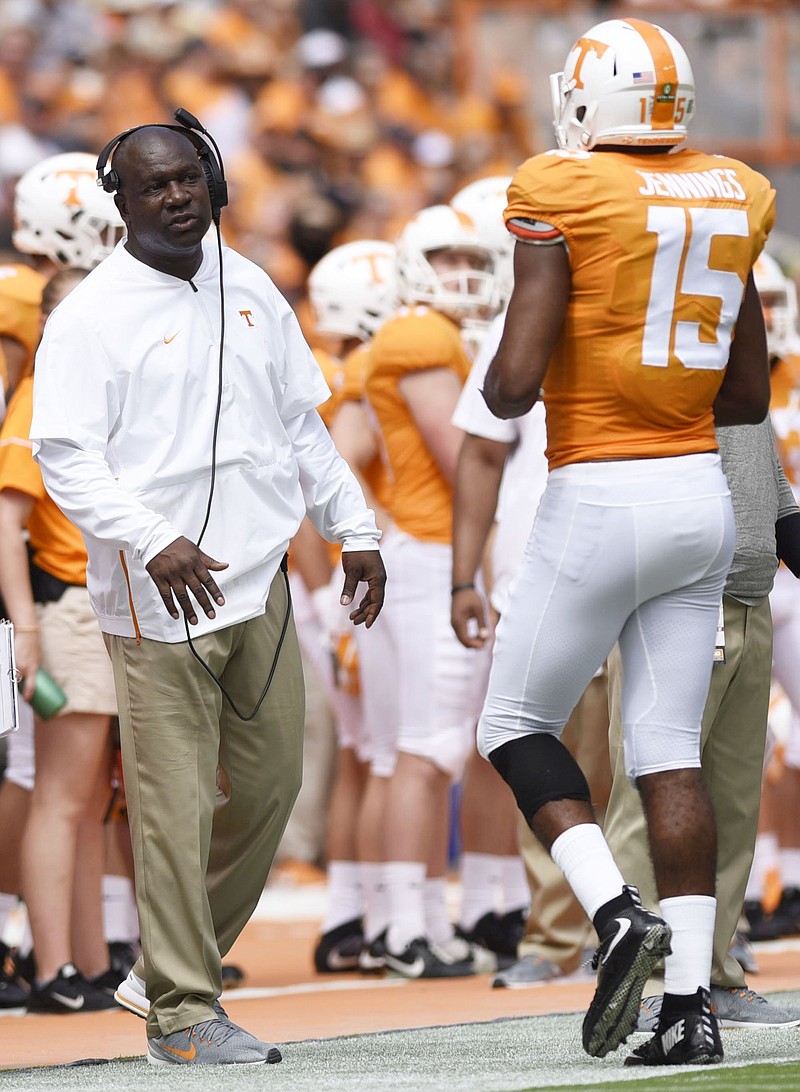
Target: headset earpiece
(210, 162)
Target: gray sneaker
(733, 1008)
(212, 1042)
(132, 995)
(531, 970)
(746, 1009)
(649, 1012)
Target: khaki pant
(732, 748)
(208, 795)
(558, 928)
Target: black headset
(210, 162)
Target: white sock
(118, 902)
(481, 877)
(765, 860)
(583, 856)
(516, 893)
(377, 912)
(406, 881)
(790, 867)
(345, 894)
(8, 904)
(438, 926)
(691, 918)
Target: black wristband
(462, 587)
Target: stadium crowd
(372, 194)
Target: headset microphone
(189, 120)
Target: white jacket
(125, 399)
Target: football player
(631, 271)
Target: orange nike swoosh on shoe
(167, 340)
(188, 1055)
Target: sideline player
(634, 269)
(420, 707)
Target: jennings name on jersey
(660, 248)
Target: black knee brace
(538, 768)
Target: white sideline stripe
(250, 993)
(253, 993)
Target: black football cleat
(634, 943)
(683, 1038)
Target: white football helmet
(624, 82)
(779, 304)
(460, 294)
(353, 289)
(484, 201)
(60, 211)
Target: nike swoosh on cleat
(410, 970)
(187, 1055)
(74, 1003)
(624, 926)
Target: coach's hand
(182, 568)
(364, 565)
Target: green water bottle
(48, 697)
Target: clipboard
(9, 698)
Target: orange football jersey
(20, 305)
(414, 340)
(56, 543)
(660, 247)
(784, 409)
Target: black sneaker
(122, 955)
(69, 992)
(684, 1038)
(13, 994)
(499, 934)
(760, 924)
(339, 948)
(634, 943)
(372, 958)
(421, 959)
(786, 918)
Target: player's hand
(182, 568)
(364, 565)
(468, 618)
